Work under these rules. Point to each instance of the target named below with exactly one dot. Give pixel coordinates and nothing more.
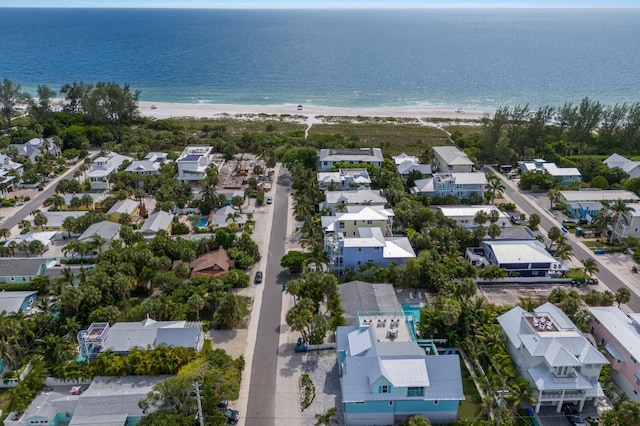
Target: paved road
(606, 276)
(36, 202)
(261, 405)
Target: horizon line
(328, 7)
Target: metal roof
(105, 229)
(11, 301)
(20, 267)
(156, 221)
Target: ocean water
(476, 59)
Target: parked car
(223, 405)
(258, 277)
(573, 415)
(269, 200)
(515, 220)
(232, 415)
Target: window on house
(359, 262)
(390, 402)
(597, 322)
(341, 225)
(376, 249)
(436, 402)
(637, 381)
(359, 249)
(369, 222)
(384, 389)
(415, 391)
(635, 361)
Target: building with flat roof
(548, 350)
(587, 195)
(522, 258)
(328, 158)
(449, 159)
(122, 337)
(619, 335)
(193, 162)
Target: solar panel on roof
(192, 157)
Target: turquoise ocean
(469, 58)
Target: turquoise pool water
(412, 310)
(202, 223)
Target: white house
(103, 167)
(408, 163)
(193, 162)
(36, 148)
(564, 175)
(460, 185)
(344, 179)
(629, 223)
(631, 168)
(465, 215)
(358, 197)
(561, 364)
(451, 159)
(11, 166)
(151, 164)
(589, 195)
(328, 158)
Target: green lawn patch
(5, 399)
(471, 408)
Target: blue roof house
(386, 377)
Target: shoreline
(164, 110)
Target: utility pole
(198, 399)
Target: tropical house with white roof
(193, 162)
(619, 334)
(460, 185)
(629, 223)
(465, 215)
(563, 175)
(520, 258)
(449, 159)
(344, 179)
(10, 173)
(156, 222)
(35, 148)
(631, 168)
(358, 217)
(548, 350)
(122, 337)
(358, 197)
(12, 302)
(408, 163)
(105, 230)
(328, 158)
(126, 206)
(107, 401)
(386, 377)
(55, 220)
(226, 214)
(103, 167)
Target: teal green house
(386, 377)
(109, 401)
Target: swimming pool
(413, 310)
(203, 222)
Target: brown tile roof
(215, 263)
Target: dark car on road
(258, 277)
(515, 220)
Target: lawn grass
(471, 407)
(5, 399)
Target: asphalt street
(36, 202)
(606, 276)
(262, 392)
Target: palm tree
(5, 234)
(196, 303)
(623, 295)
(98, 242)
(553, 195)
(87, 201)
(327, 418)
(528, 303)
(57, 201)
(494, 186)
(520, 392)
(39, 219)
(494, 231)
(481, 218)
(124, 219)
(589, 266)
(564, 251)
(36, 247)
(620, 209)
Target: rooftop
(598, 195)
(452, 155)
(11, 301)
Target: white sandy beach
(201, 110)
